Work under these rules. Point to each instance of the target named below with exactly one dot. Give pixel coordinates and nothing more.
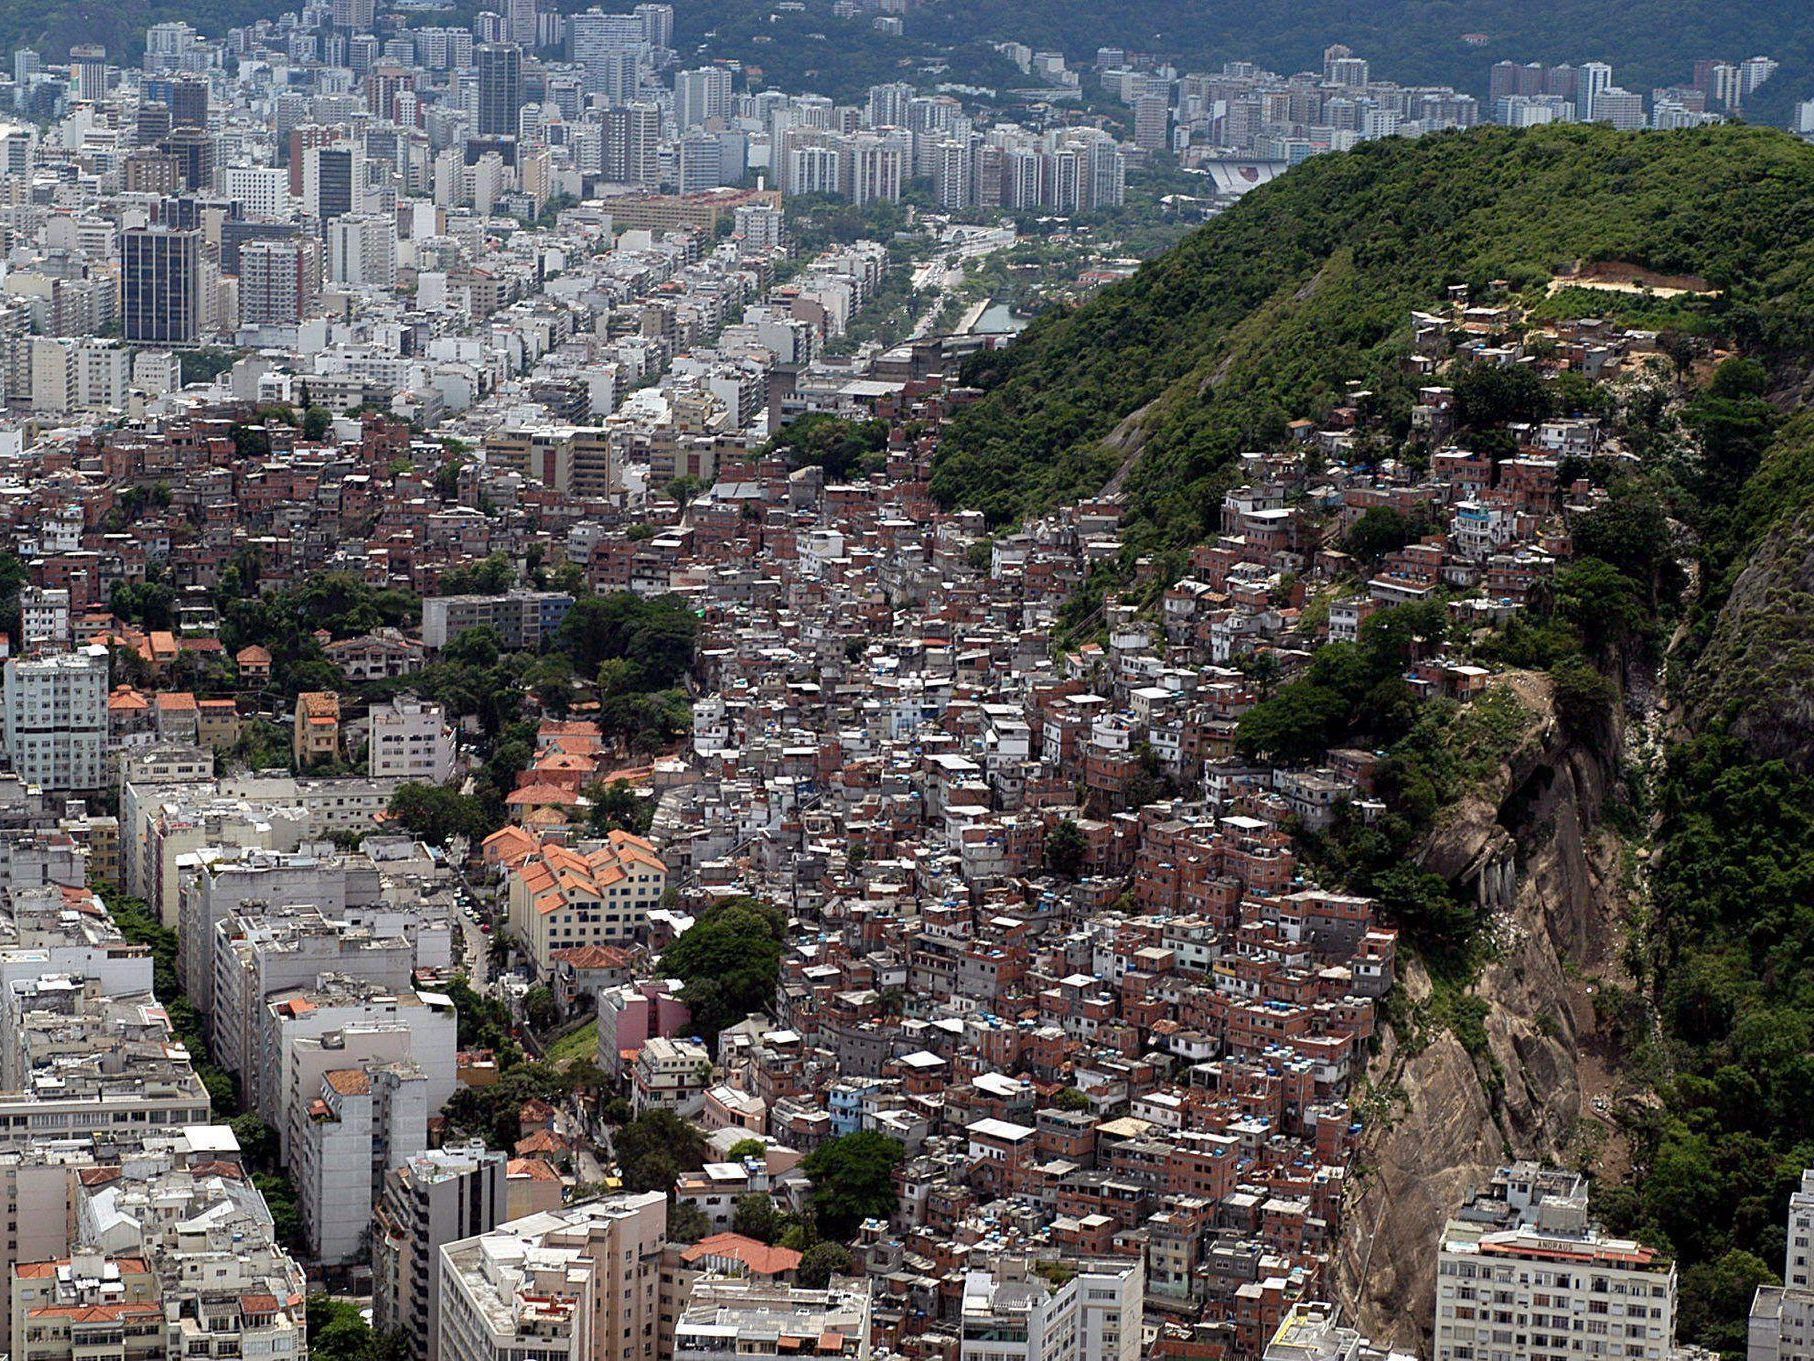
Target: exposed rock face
(1526, 847)
(1758, 670)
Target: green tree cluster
(729, 962)
(853, 1180)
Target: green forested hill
(1263, 315)
(51, 26)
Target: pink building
(633, 1013)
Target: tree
(684, 489)
(1630, 531)
(1379, 531)
(1295, 725)
(655, 637)
(1583, 699)
(853, 1180)
(1070, 1099)
(729, 961)
(1066, 849)
(436, 814)
(746, 1148)
(316, 422)
(1604, 605)
(845, 449)
(540, 1008)
(257, 1140)
(1716, 1296)
(819, 1263)
(755, 1216)
(655, 1148)
(616, 806)
(1491, 394)
(486, 577)
(687, 1223)
(337, 1331)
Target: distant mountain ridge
(1452, 42)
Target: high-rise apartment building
(279, 281)
(500, 68)
(657, 24)
(581, 1283)
(433, 1199)
(160, 284)
(701, 95)
(633, 145)
(1782, 1316)
(1523, 1275)
(1011, 1313)
(410, 740)
(1591, 77)
(362, 250)
(333, 179)
(53, 716)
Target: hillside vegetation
(1262, 316)
(51, 26)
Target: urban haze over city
(907, 680)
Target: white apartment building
(582, 1283)
(1782, 1316)
(1313, 1331)
(560, 898)
(362, 249)
(53, 718)
(79, 375)
(263, 190)
(44, 617)
(672, 1073)
(364, 1122)
(411, 740)
(1523, 1275)
(434, 1199)
(729, 1318)
(1010, 1313)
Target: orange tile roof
(538, 794)
(759, 1257)
(593, 956)
(350, 1081)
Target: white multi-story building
(263, 190)
(54, 718)
(1313, 1331)
(730, 1317)
(1782, 1316)
(364, 1122)
(560, 898)
(1523, 1275)
(1011, 1313)
(362, 249)
(435, 1198)
(582, 1283)
(672, 1073)
(411, 741)
(44, 616)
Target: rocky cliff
(1441, 1117)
